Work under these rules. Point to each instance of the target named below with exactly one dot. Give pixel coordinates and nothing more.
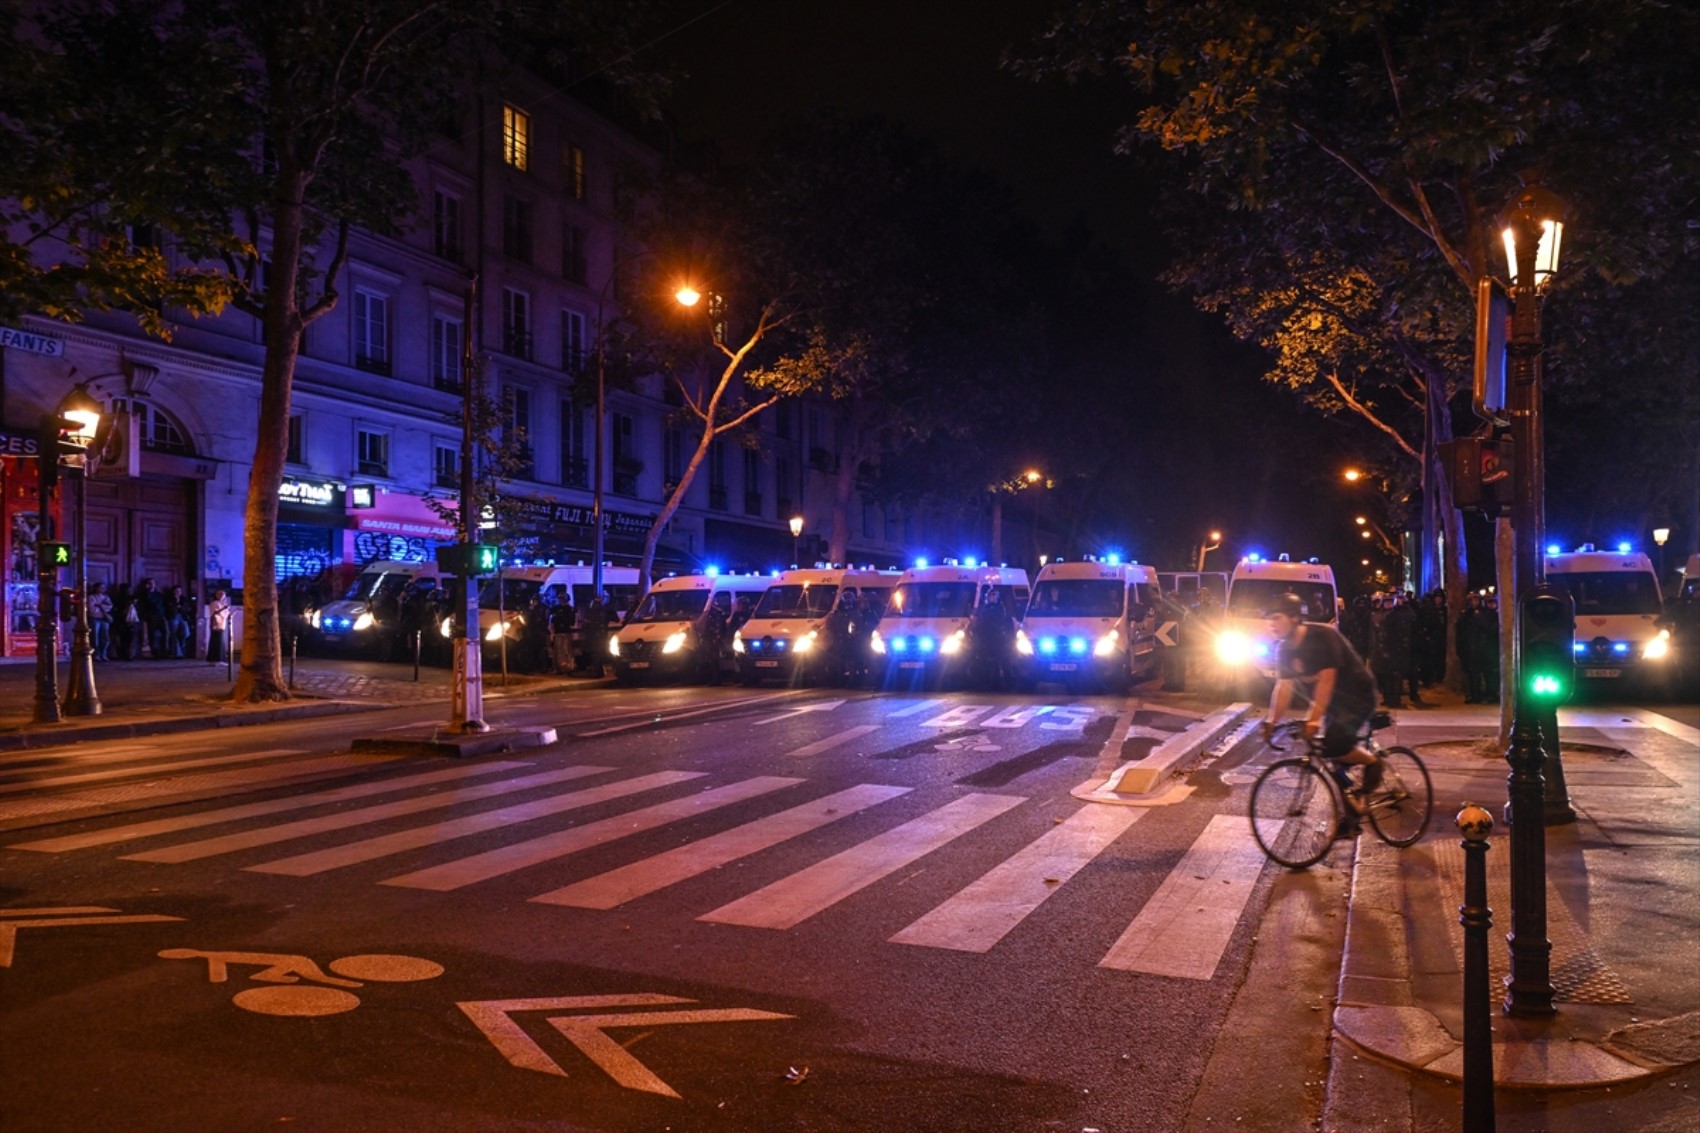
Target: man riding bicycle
(1340, 687)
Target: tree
(279, 125)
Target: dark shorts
(1345, 725)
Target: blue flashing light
(971, 561)
(920, 562)
(712, 572)
(1113, 559)
(1254, 557)
(1620, 647)
(1554, 549)
(899, 644)
(1047, 645)
(1578, 647)
(1623, 548)
(1260, 649)
(1077, 645)
(926, 644)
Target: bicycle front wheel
(1400, 808)
(1293, 812)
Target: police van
(1619, 614)
(792, 631)
(1243, 643)
(504, 598)
(1093, 621)
(368, 616)
(924, 635)
(680, 628)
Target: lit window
(516, 137)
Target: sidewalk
(1623, 916)
(147, 697)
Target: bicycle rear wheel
(1400, 808)
(1293, 812)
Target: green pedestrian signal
(1548, 635)
(56, 554)
(469, 559)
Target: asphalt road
(700, 908)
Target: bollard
(1474, 914)
(294, 639)
(416, 643)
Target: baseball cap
(1287, 603)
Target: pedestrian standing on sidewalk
(99, 610)
(180, 623)
(125, 621)
(150, 607)
(218, 625)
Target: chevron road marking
(44, 918)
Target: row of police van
(1090, 623)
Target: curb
(457, 746)
(1145, 781)
(62, 735)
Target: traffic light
(468, 559)
(1482, 470)
(53, 444)
(1547, 629)
(55, 555)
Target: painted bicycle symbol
(327, 995)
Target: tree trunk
(646, 566)
(261, 677)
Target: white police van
(1093, 621)
(923, 636)
(1619, 614)
(505, 596)
(680, 628)
(1243, 642)
(788, 634)
(368, 615)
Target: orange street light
(688, 296)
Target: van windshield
(1249, 597)
(374, 581)
(1610, 591)
(1077, 598)
(508, 594)
(670, 606)
(797, 600)
(932, 600)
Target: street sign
(1166, 634)
(590, 1032)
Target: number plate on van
(1064, 667)
(1602, 672)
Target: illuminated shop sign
(310, 493)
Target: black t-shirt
(1322, 647)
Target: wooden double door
(139, 529)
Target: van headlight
(495, 632)
(876, 643)
(1657, 648)
(447, 627)
(952, 645)
(738, 642)
(313, 617)
(1232, 647)
(364, 621)
(1023, 643)
(614, 646)
(806, 642)
(675, 641)
(1106, 644)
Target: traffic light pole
(1529, 990)
(47, 585)
(81, 699)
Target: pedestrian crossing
(1182, 931)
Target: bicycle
(1297, 806)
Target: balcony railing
(372, 364)
(575, 472)
(447, 384)
(626, 483)
(516, 343)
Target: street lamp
(1533, 232)
(1661, 536)
(1213, 544)
(70, 430)
(796, 533)
(80, 407)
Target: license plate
(1602, 672)
(333, 637)
(910, 664)
(1064, 667)
(767, 664)
(640, 664)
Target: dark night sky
(748, 66)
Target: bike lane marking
(69, 915)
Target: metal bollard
(416, 646)
(294, 639)
(1475, 823)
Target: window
(159, 432)
(445, 465)
(717, 475)
(371, 331)
(516, 229)
(673, 458)
(752, 482)
(445, 225)
(627, 466)
(447, 348)
(516, 137)
(574, 262)
(575, 465)
(372, 453)
(516, 429)
(782, 484)
(292, 448)
(516, 323)
(572, 171)
(572, 342)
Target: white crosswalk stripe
(794, 899)
(267, 835)
(609, 890)
(142, 770)
(985, 912)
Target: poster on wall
(23, 591)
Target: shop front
(388, 525)
(20, 490)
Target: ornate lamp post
(1533, 231)
(80, 407)
(796, 533)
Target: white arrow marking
(817, 706)
(494, 1017)
(1165, 633)
(9, 929)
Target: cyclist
(1340, 687)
